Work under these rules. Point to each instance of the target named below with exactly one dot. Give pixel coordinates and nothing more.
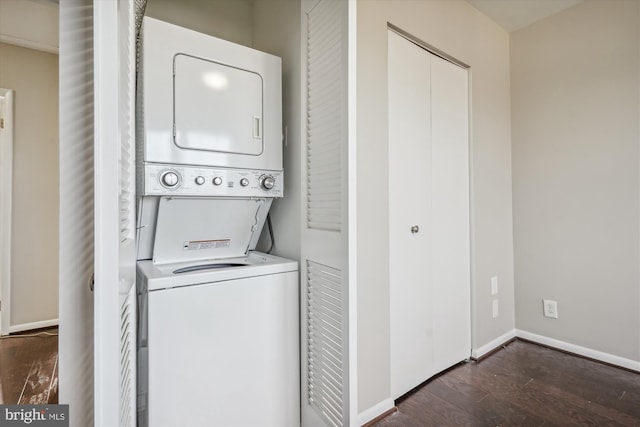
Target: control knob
(244, 182)
(199, 180)
(217, 180)
(267, 182)
(169, 179)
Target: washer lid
(158, 277)
(190, 229)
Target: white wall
(456, 28)
(42, 30)
(227, 19)
(276, 30)
(575, 106)
(33, 75)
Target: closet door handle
(415, 229)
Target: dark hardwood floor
(523, 385)
(29, 367)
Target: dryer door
(217, 107)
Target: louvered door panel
(325, 349)
(76, 210)
(325, 117)
(126, 35)
(127, 273)
(128, 359)
(328, 399)
(114, 301)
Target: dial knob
(217, 180)
(169, 179)
(244, 182)
(267, 182)
(199, 180)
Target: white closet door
(450, 238)
(410, 260)
(428, 214)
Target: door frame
(6, 188)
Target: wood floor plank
(37, 387)
(470, 403)
(524, 384)
(28, 368)
(485, 405)
(535, 397)
(595, 382)
(583, 381)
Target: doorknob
(415, 229)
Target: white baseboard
(44, 47)
(375, 411)
(582, 351)
(492, 345)
(33, 325)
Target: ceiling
(515, 14)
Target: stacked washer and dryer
(218, 321)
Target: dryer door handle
(257, 127)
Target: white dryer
(210, 129)
(206, 101)
(218, 327)
(220, 343)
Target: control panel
(183, 180)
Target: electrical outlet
(494, 285)
(495, 308)
(550, 308)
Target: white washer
(227, 336)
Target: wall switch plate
(550, 308)
(495, 308)
(494, 285)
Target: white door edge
(6, 185)
(352, 185)
(106, 305)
